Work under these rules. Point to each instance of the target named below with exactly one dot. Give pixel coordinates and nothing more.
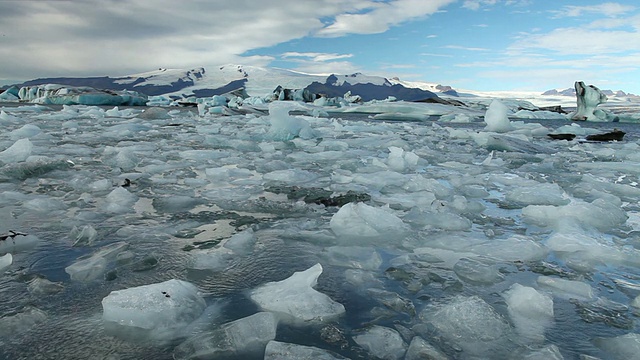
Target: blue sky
(469, 44)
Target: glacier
(291, 229)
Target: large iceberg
(588, 98)
(295, 297)
(156, 311)
(71, 95)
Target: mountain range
(256, 81)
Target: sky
(483, 45)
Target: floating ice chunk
(600, 214)
(85, 236)
(154, 113)
(284, 351)
(531, 311)
(95, 266)
(119, 200)
(623, 347)
(159, 310)
(470, 323)
(290, 176)
(399, 160)
(551, 352)
(241, 243)
(538, 194)
(285, 127)
(295, 297)
(245, 337)
(5, 261)
(21, 322)
(393, 301)
(15, 242)
(26, 131)
(514, 248)
(382, 342)
(358, 221)
(214, 260)
(496, 117)
(420, 349)
(45, 204)
(567, 289)
(356, 257)
(40, 286)
(19, 151)
(175, 203)
(477, 272)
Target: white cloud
(609, 9)
(577, 41)
(314, 56)
(477, 4)
(380, 16)
(457, 47)
(91, 37)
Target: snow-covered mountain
(256, 81)
(572, 93)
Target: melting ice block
(382, 342)
(19, 151)
(567, 289)
(277, 350)
(5, 261)
(243, 337)
(358, 221)
(95, 266)
(21, 322)
(157, 310)
(530, 311)
(470, 323)
(421, 349)
(496, 117)
(624, 347)
(296, 298)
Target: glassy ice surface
(275, 234)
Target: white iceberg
(295, 297)
(156, 310)
(530, 310)
(359, 221)
(496, 117)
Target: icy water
(478, 215)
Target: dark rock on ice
(567, 137)
(615, 135)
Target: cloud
(457, 47)
(609, 9)
(380, 16)
(91, 37)
(477, 4)
(314, 56)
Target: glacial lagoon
(394, 238)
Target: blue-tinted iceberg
(70, 95)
